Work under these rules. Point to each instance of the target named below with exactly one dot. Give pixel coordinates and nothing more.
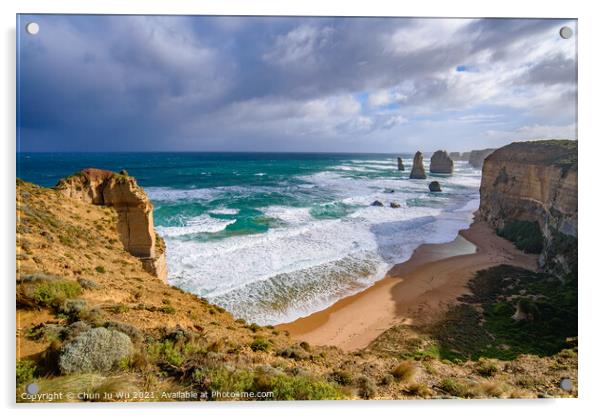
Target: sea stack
(441, 163)
(400, 166)
(133, 207)
(435, 187)
(477, 157)
(418, 168)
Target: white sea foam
(306, 264)
(225, 210)
(291, 215)
(173, 194)
(199, 224)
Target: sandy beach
(416, 291)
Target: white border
(589, 148)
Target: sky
(292, 84)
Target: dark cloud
(186, 83)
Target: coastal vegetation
(524, 234)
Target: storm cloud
(146, 83)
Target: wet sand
(416, 291)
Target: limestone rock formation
(400, 166)
(441, 163)
(459, 156)
(377, 203)
(537, 182)
(477, 157)
(434, 186)
(134, 211)
(418, 167)
(395, 204)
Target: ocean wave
(224, 210)
(199, 224)
(291, 215)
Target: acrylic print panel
(292, 208)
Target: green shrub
(486, 368)
(456, 388)
(341, 377)
(260, 344)
(47, 293)
(167, 309)
(254, 327)
(73, 308)
(525, 235)
(25, 372)
(118, 308)
(293, 352)
(172, 351)
(96, 350)
(287, 387)
(100, 269)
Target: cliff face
(536, 181)
(134, 211)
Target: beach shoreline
(416, 291)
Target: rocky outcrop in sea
(434, 186)
(418, 167)
(400, 166)
(441, 163)
(477, 157)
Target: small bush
(254, 327)
(73, 308)
(419, 390)
(366, 388)
(134, 333)
(46, 292)
(341, 377)
(25, 372)
(405, 371)
(167, 309)
(456, 388)
(486, 368)
(260, 344)
(118, 308)
(96, 350)
(88, 284)
(492, 389)
(305, 346)
(100, 269)
(388, 379)
(293, 352)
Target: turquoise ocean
(273, 237)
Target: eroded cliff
(536, 182)
(134, 211)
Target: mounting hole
(32, 28)
(566, 384)
(566, 32)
